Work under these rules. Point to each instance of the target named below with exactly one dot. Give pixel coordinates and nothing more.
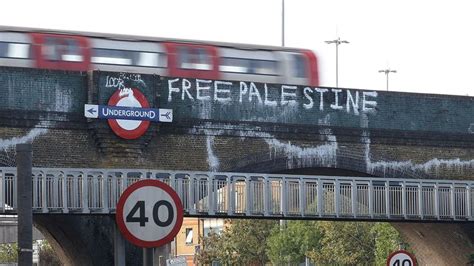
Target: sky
(429, 43)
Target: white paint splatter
(39, 130)
(434, 165)
(212, 159)
(62, 100)
(297, 157)
(471, 128)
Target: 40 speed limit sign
(401, 258)
(149, 213)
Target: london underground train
(80, 51)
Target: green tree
(242, 242)
(290, 244)
(47, 255)
(347, 243)
(8, 253)
(387, 240)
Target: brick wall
(229, 126)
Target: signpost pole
(24, 203)
(119, 248)
(148, 258)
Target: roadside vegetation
(258, 242)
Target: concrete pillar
(24, 203)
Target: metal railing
(96, 191)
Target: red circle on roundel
(115, 126)
(119, 217)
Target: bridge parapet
(226, 194)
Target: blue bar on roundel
(128, 113)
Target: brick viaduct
(239, 126)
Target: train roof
(124, 37)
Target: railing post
(266, 198)
(468, 202)
(192, 199)
(354, 198)
(420, 201)
(211, 194)
(404, 201)
(230, 195)
(284, 197)
(105, 198)
(436, 199)
(64, 191)
(387, 199)
(43, 192)
(55, 190)
(320, 197)
(302, 197)
(371, 197)
(452, 205)
(173, 182)
(2, 192)
(75, 199)
(113, 190)
(85, 193)
(337, 197)
(249, 196)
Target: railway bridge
(402, 157)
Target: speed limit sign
(149, 213)
(401, 258)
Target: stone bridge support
(439, 244)
(83, 239)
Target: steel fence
(245, 194)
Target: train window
(126, 57)
(299, 68)
(3, 49)
(267, 67)
(72, 51)
(18, 50)
(50, 49)
(14, 50)
(109, 56)
(148, 59)
(236, 65)
(194, 58)
(61, 49)
(251, 66)
(55, 51)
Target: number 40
(142, 219)
(405, 262)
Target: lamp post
(338, 42)
(387, 71)
(282, 22)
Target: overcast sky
(429, 43)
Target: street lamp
(338, 41)
(282, 22)
(387, 71)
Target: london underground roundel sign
(149, 213)
(128, 129)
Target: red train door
(192, 60)
(64, 52)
